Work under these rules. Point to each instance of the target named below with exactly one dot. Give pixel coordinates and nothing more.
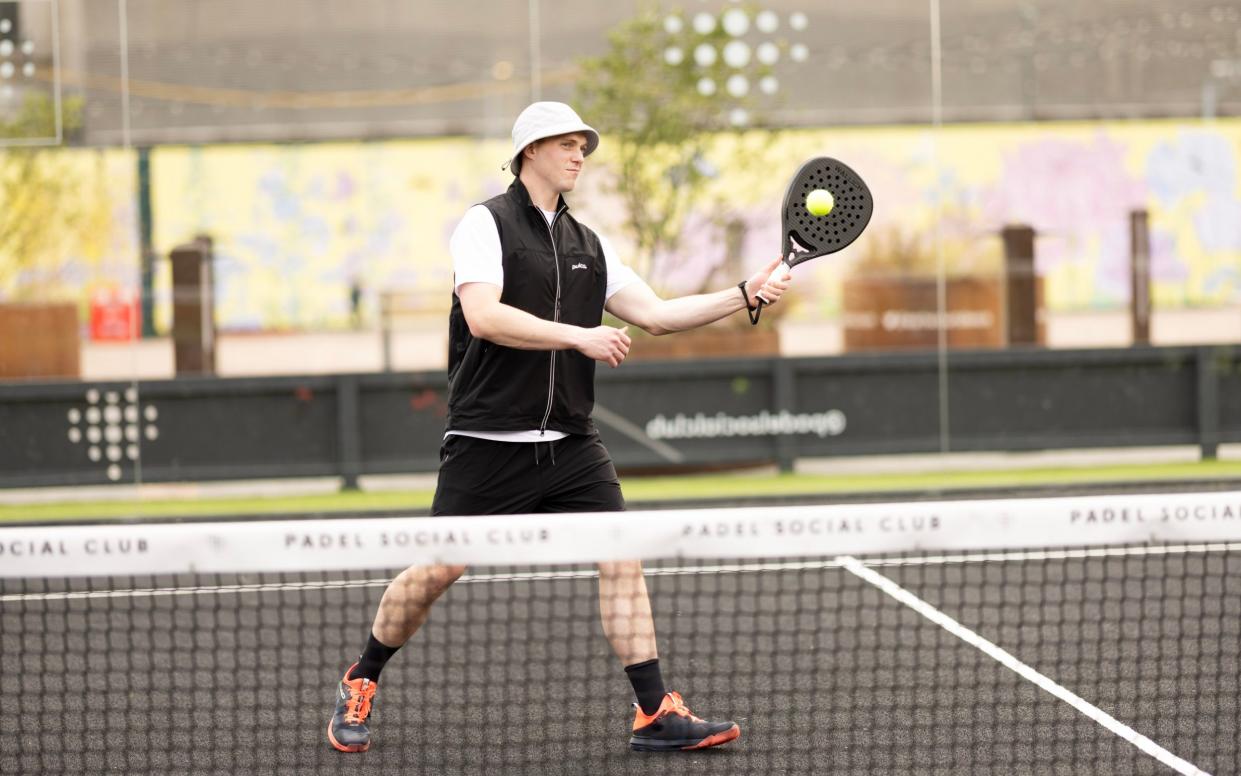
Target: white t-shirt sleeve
(619, 275)
(477, 258)
(475, 249)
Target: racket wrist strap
(752, 311)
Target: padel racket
(808, 236)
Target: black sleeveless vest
(556, 272)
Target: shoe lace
(679, 708)
(358, 704)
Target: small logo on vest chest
(579, 265)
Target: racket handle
(776, 274)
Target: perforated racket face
(807, 236)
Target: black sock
(372, 660)
(648, 684)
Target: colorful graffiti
(1074, 183)
(296, 227)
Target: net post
(1208, 403)
(348, 435)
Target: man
(524, 335)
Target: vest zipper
(551, 371)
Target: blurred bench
(407, 309)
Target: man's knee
(441, 576)
(429, 580)
(620, 568)
(449, 574)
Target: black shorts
(482, 477)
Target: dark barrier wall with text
(651, 416)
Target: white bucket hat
(548, 119)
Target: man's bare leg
(625, 608)
(407, 601)
(626, 611)
(661, 722)
(402, 611)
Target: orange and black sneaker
(672, 726)
(347, 728)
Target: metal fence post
(1140, 277)
(1208, 404)
(385, 330)
(348, 432)
(784, 388)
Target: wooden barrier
(722, 340)
(903, 313)
(405, 307)
(39, 340)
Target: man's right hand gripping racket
(808, 236)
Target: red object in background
(114, 316)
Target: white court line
(666, 571)
(854, 566)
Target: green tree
(43, 212)
(660, 115)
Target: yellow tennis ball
(820, 202)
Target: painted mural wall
(295, 226)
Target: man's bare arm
(494, 321)
(636, 303)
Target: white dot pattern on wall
(113, 426)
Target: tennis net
(1093, 635)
